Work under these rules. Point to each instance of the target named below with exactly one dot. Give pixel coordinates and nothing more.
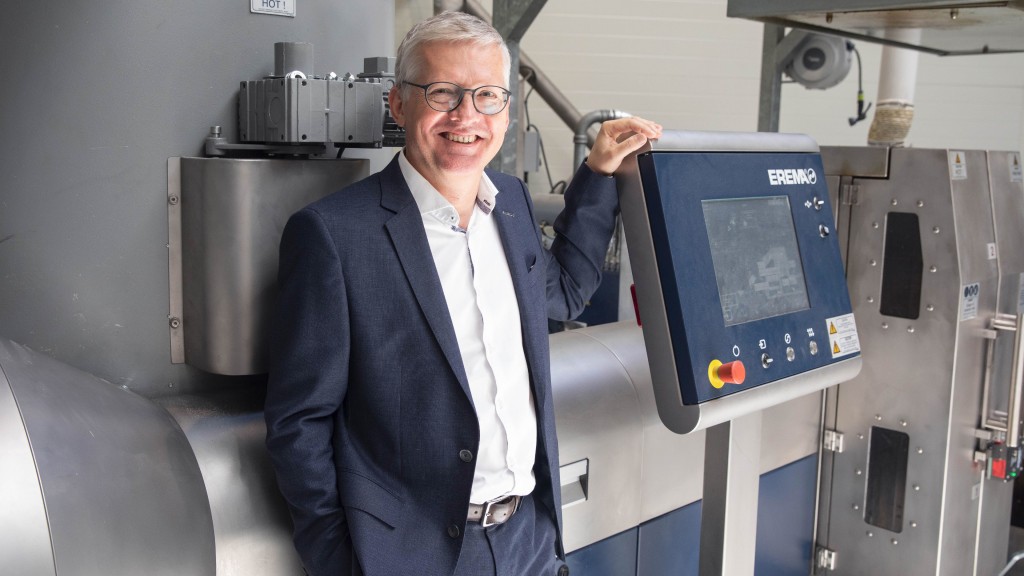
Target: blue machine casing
(742, 219)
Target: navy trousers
(523, 546)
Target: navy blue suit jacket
(368, 406)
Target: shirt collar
(430, 201)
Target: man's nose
(465, 106)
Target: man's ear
(397, 107)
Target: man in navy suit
(409, 412)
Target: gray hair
(454, 27)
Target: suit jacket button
(563, 571)
(454, 531)
(466, 455)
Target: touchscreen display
(756, 258)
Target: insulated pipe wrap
(894, 107)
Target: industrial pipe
(581, 138)
(894, 107)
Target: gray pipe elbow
(581, 137)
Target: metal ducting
(966, 27)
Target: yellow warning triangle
(835, 348)
(957, 159)
(831, 328)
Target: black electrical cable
(862, 112)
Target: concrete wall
(97, 95)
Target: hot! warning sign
(842, 335)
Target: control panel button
(790, 354)
(730, 373)
(818, 203)
(814, 348)
(766, 360)
(823, 230)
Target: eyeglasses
(446, 96)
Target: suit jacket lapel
(410, 241)
(515, 226)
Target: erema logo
(792, 176)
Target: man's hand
(616, 139)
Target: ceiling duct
(948, 29)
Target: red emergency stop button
(731, 373)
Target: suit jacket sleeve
(308, 380)
(583, 231)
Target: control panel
(739, 280)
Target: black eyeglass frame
(462, 94)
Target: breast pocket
(534, 267)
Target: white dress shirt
(484, 310)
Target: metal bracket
(833, 441)
(824, 559)
(176, 304)
(850, 194)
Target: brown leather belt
(494, 512)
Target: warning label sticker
(957, 165)
(842, 335)
(969, 308)
(1016, 170)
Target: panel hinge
(825, 559)
(849, 194)
(833, 441)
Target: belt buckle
(485, 520)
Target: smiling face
(460, 143)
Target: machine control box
(739, 279)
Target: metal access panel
(225, 219)
(738, 275)
(1001, 403)
(904, 494)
